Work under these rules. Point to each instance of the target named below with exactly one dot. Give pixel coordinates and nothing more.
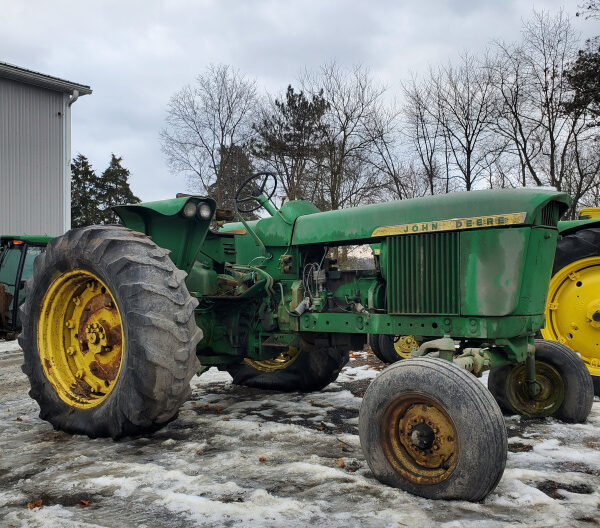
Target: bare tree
(464, 102)
(550, 141)
(589, 9)
(514, 108)
(423, 129)
(383, 154)
(346, 176)
(549, 45)
(204, 121)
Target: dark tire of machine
(312, 370)
(578, 384)
(582, 244)
(374, 343)
(596, 381)
(158, 326)
(387, 350)
(482, 449)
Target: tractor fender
(169, 227)
(568, 227)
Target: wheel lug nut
(80, 374)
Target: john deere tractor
(573, 303)
(119, 318)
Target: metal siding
(33, 130)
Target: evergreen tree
(292, 138)
(84, 193)
(113, 189)
(584, 78)
(93, 195)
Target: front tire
(417, 431)
(108, 334)
(566, 388)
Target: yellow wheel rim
(80, 339)
(419, 439)
(403, 345)
(280, 362)
(573, 310)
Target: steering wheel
(256, 188)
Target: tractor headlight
(204, 211)
(189, 209)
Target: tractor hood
(466, 210)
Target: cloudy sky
(136, 54)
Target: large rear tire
(417, 431)
(573, 306)
(566, 390)
(109, 335)
(305, 368)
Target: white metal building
(35, 151)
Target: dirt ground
(247, 457)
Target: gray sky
(136, 54)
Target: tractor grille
(550, 214)
(423, 275)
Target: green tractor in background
(573, 303)
(118, 319)
(17, 254)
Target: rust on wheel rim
(419, 439)
(80, 338)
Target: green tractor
(573, 302)
(118, 319)
(17, 254)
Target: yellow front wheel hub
(80, 338)
(573, 310)
(420, 439)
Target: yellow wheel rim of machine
(280, 362)
(415, 415)
(573, 310)
(403, 345)
(80, 339)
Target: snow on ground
(247, 457)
